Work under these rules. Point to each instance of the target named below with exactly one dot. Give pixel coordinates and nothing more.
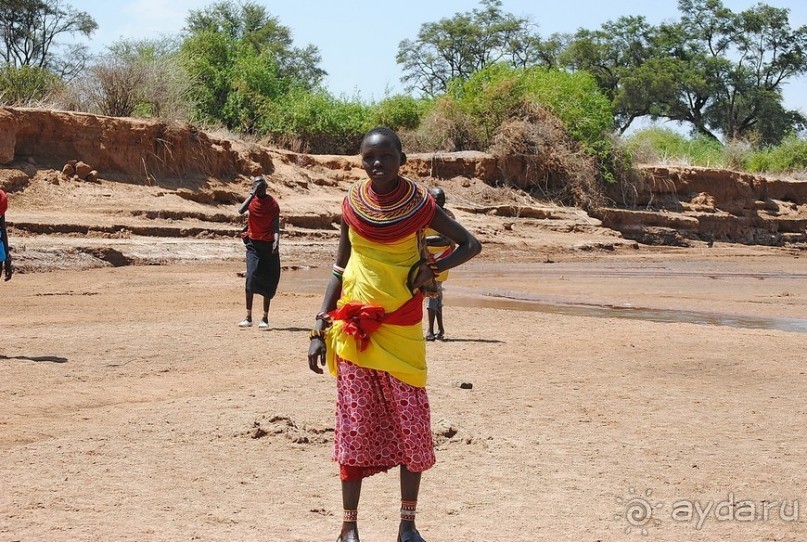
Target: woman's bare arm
(316, 352)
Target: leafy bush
(490, 97)
(534, 148)
(705, 151)
(316, 122)
(790, 156)
(27, 85)
(664, 145)
(497, 93)
(586, 113)
(576, 100)
(474, 110)
(399, 112)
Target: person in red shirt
(262, 240)
(5, 255)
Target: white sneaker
(246, 322)
(263, 325)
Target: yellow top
(376, 275)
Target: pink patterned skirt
(381, 423)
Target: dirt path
(131, 404)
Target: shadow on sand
(52, 359)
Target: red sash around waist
(362, 320)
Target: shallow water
(527, 302)
(314, 281)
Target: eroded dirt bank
(87, 190)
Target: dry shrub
(69, 99)
(628, 180)
(291, 143)
(122, 88)
(535, 153)
(444, 129)
(316, 143)
(736, 153)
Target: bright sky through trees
(359, 40)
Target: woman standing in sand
(369, 330)
(262, 240)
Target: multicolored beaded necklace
(388, 217)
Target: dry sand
(133, 407)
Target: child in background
(439, 246)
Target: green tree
(719, 71)
(458, 47)
(29, 29)
(746, 57)
(251, 24)
(620, 56)
(240, 60)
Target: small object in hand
(430, 288)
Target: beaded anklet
(408, 510)
(350, 516)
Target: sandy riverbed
(132, 403)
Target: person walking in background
(439, 246)
(262, 240)
(369, 330)
(5, 254)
